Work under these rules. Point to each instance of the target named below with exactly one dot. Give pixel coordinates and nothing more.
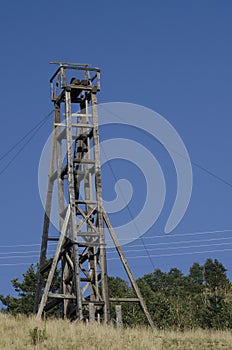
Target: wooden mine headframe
(75, 168)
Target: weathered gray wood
(91, 313)
(86, 219)
(62, 135)
(71, 187)
(61, 296)
(96, 150)
(124, 300)
(46, 223)
(62, 209)
(128, 270)
(54, 264)
(81, 125)
(83, 257)
(118, 311)
(82, 254)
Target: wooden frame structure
(75, 168)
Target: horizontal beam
(72, 297)
(83, 161)
(61, 296)
(75, 125)
(122, 300)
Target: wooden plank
(61, 296)
(46, 223)
(54, 264)
(86, 201)
(124, 300)
(86, 218)
(128, 270)
(71, 190)
(84, 161)
(81, 125)
(98, 184)
(118, 310)
(87, 233)
(62, 136)
(91, 313)
(85, 115)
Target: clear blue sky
(171, 56)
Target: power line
(182, 247)
(18, 257)
(128, 208)
(209, 172)
(143, 256)
(33, 131)
(196, 164)
(24, 252)
(22, 245)
(125, 251)
(175, 254)
(135, 238)
(19, 245)
(178, 242)
(181, 234)
(25, 136)
(131, 249)
(17, 264)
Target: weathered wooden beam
(91, 313)
(54, 264)
(118, 311)
(124, 300)
(128, 270)
(46, 224)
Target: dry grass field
(22, 333)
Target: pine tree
(24, 303)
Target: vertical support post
(118, 311)
(75, 256)
(128, 271)
(91, 313)
(54, 264)
(46, 223)
(100, 210)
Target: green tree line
(200, 299)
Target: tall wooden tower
(75, 168)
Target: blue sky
(171, 56)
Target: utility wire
(31, 132)
(19, 245)
(196, 164)
(129, 211)
(149, 247)
(197, 233)
(181, 247)
(18, 257)
(18, 264)
(209, 172)
(178, 242)
(142, 256)
(175, 254)
(35, 130)
(149, 237)
(25, 136)
(25, 252)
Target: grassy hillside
(22, 333)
